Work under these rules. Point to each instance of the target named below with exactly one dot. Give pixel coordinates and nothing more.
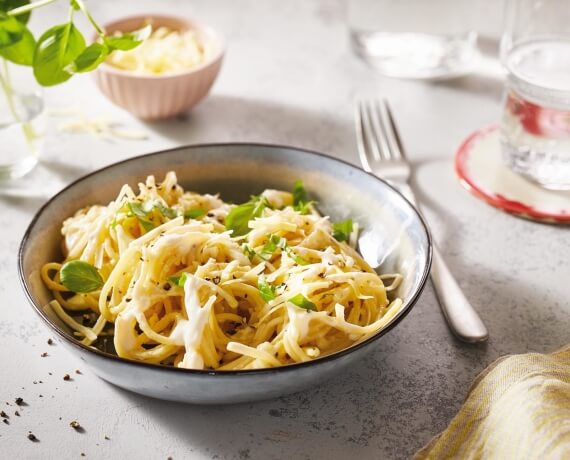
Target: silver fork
(381, 152)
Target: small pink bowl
(153, 97)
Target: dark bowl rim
(208, 372)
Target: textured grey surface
(289, 78)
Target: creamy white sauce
(188, 333)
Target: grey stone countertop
(290, 78)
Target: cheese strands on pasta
(184, 279)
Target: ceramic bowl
(153, 97)
(395, 233)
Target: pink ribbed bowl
(152, 97)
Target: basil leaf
(265, 289)
(302, 302)
(21, 52)
(174, 279)
(301, 201)
(239, 217)
(271, 246)
(194, 213)
(11, 30)
(183, 279)
(250, 253)
(128, 41)
(89, 59)
(79, 276)
(342, 230)
(296, 258)
(8, 5)
(56, 49)
(166, 212)
(137, 210)
(299, 193)
(146, 224)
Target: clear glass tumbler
(535, 126)
(22, 121)
(422, 39)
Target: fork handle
(460, 315)
(462, 319)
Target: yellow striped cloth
(518, 408)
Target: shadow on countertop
(251, 120)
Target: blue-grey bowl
(393, 231)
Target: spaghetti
(191, 281)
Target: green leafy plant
(61, 51)
(57, 55)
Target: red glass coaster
(480, 169)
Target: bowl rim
(191, 23)
(212, 372)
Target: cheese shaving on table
(181, 286)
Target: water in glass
(535, 128)
(21, 132)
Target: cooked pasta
(184, 279)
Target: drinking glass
(535, 126)
(420, 39)
(22, 121)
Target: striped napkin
(518, 408)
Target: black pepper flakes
(44, 354)
(32, 437)
(66, 377)
(19, 401)
(107, 438)
(16, 413)
(6, 421)
(49, 341)
(77, 371)
(75, 425)
(3, 414)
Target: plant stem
(29, 7)
(87, 14)
(27, 128)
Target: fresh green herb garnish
(194, 213)
(275, 242)
(270, 247)
(147, 224)
(178, 280)
(136, 209)
(166, 212)
(142, 210)
(342, 230)
(81, 277)
(302, 302)
(265, 289)
(301, 201)
(297, 258)
(239, 217)
(250, 253)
